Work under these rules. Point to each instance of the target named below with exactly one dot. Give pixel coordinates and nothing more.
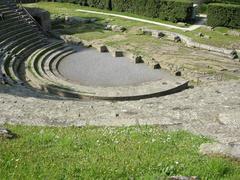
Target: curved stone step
(37, 81)
(5, 30)
(45, 66)
(31, 47)
(23, 44)
(16, 61)
(39, 63)
(16, 35)
(30, 62)
(45, 80)
(11, 33)
(15, 19)
(4, 61)
(51, 63)
(12, 22)
(18, 42)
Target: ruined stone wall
(42, 17)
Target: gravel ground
(102, 69)
(212, 110)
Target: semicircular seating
(28, 57)
(42, 73)
(20, 37)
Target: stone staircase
(20, 36)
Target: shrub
(152, 8)
(227, 15)
(226, 1)
(82, 2)
(203, 8)
(175, 10)
(28, 1)
(101, 4)
(131, 6)
(122, 5)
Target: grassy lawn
(217, 37)
(70, 9)
(108, 153)
(88, 31)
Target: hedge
(80, 2)
(152, 8)
(172, 10)
(101, 4)
(226, 1)
(122, 5)
(227, 15)
(28, 1)
(175, 10)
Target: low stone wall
(190, 43)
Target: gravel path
(212, 110)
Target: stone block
(117, 53)
(177, 39)
(226, 150)
(158, 34)
(138, 59)
(102, 48)
(155, 65)
(147, 31)
(178, 73)
(6, 133)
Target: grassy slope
(68, 153)
(217, 37)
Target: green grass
(108, 153)
(217, 37)
(63, 8)
(88, 31)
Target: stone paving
(212, 110)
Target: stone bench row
(47, 80)
(42, 73)
(39, 69)
(11, 63)
(18, 39)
